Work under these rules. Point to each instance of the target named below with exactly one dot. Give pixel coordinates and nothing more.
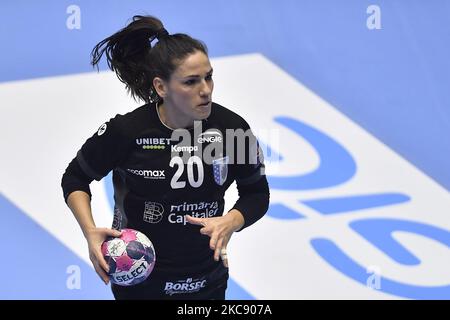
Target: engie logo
(210, 135)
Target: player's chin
(203, 112)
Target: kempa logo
(209, 135)
(148, 174)
(185, 286)
(184, 148)
(153, 143)
(197, 210)
(153, 212)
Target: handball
(131, 257)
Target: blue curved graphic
(379, 233)
(336, 164)
(351, 203)
(369, 228)
(280, 211)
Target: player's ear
(160, 87)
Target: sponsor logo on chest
(153, 143)
(148, 174)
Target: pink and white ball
(131, 257)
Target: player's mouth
(204, 105)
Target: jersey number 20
(175, 183)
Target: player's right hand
(95, 238)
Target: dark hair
(130, 54)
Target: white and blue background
(351, 100)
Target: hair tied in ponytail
(161, 34)
(130, 54)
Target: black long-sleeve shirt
(159, 177)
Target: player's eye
(190, 82)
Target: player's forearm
(80, 204)
(253, 201)
(237, 219)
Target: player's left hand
(219, 229)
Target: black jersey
(160, 175)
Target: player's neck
(171, 119)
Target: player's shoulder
(226, 118)
(132, 123)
